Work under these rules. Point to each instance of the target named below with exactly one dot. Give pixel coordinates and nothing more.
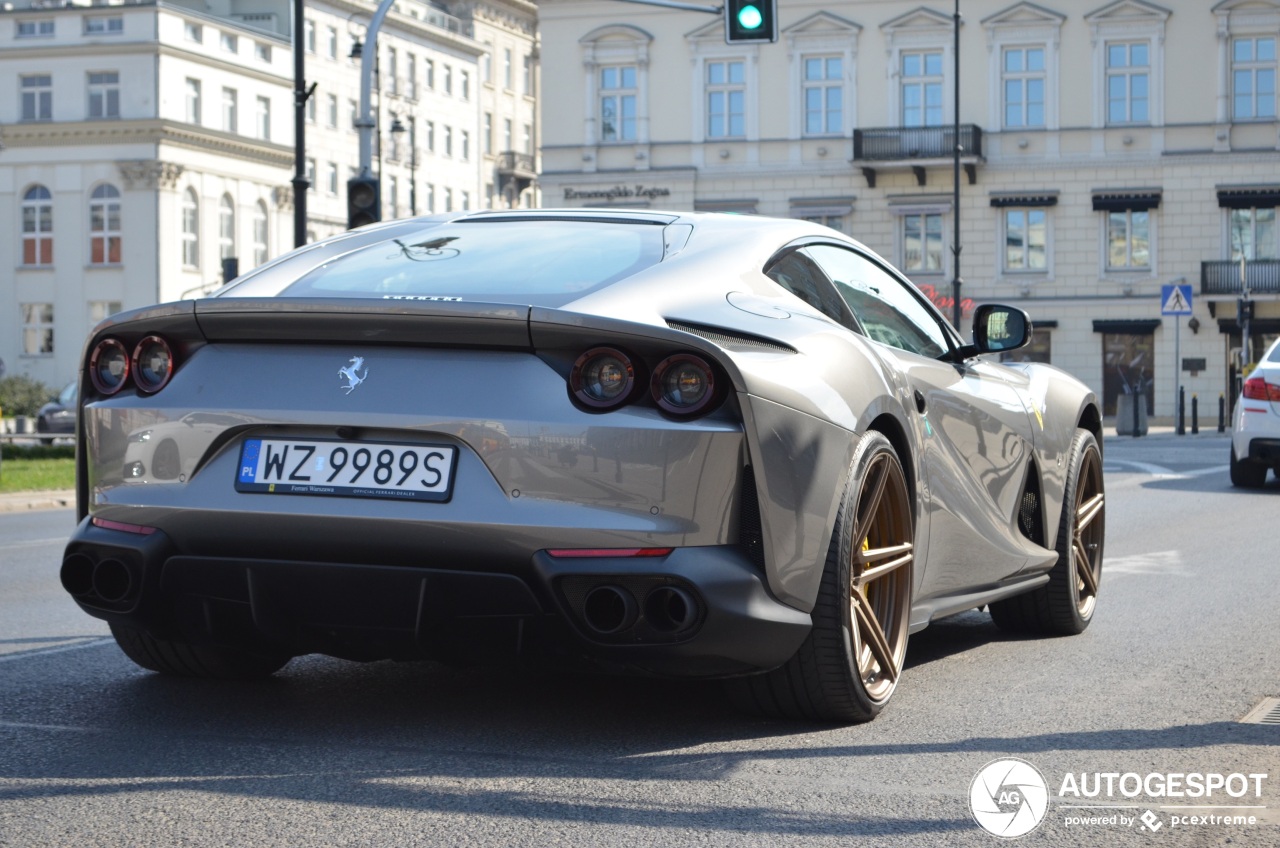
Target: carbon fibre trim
(729, 339)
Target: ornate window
(618, 103)
(1023, 79)
(1128, 38)
(37, 97)
(37, 329)
(260, 233)
(37, 227)
(726, 92)
(104, 225)
(1026, 239)
(1253, 78)
(823, 95)
(1128, 239)
(922, 242)
(226, 227)
(616, 63)
(104, 94)
(190, 229)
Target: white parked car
(1255, 432)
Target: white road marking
(1158, 563)
(1159, 471)
(40, 652)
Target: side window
(884, 306)
(799, 275)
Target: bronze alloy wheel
(1066, 603)
(880, 576)
(1088, 531)
(851, 661)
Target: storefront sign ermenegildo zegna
(617, 192)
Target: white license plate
(346, 469)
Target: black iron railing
(899, 143)
(1223, 276)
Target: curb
(30, 501)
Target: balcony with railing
(1222, 277)
(516, 172)
(916, 148)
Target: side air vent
(729, 338)
(750, 535)
(1029, 511)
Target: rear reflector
(122, 527)
(610, 552)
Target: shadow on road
(424, 737)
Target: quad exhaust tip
(110, 579)
(609, 609)
(670, 609)
(77, 574)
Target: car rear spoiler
(367, 321)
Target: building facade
(118, 173)
(1108, 151)
(445, 87)
(142, 144)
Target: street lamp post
(369, 55)
(397, 128)
(956, 281)
(301, 94)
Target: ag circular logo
(1009, 797)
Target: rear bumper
(523, 607)
(1266, 451)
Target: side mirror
(997, 329)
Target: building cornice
(146, 49)
(100, 133)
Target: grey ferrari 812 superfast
(692, 445)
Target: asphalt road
(93, 751)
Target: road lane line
(40, 652)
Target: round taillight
(683, 384)
(109, 366)
(152, 364)
(602, 378)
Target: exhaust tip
(112, 580)
(609, 609)
(670, 609)
(77, 574)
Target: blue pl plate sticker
(249, 460)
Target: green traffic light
(749, 17)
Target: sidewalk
(23, 501)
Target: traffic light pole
(674, 4)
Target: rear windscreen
(543, 262)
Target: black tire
(1065, 604)
(1246, 474)
(843, 672)
(181, 659)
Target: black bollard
(1195, 415)
(1222, 413)
(1182, 410)
(1136, 432)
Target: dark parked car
(59, 414)
(696, 445)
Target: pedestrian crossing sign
(1175, 300)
